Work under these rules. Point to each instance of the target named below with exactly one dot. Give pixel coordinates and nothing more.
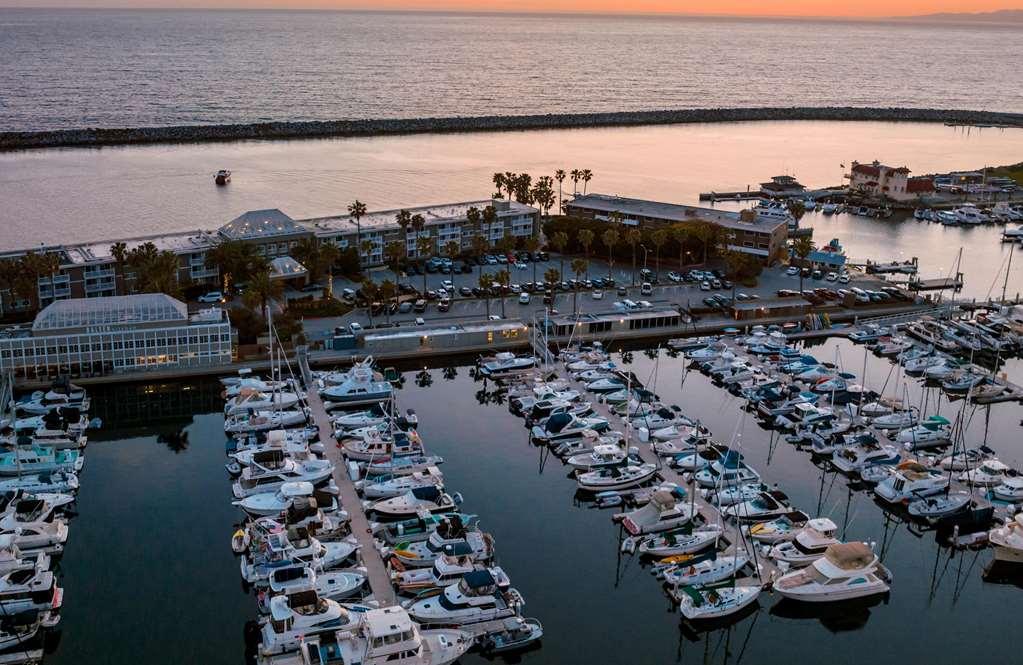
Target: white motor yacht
(846, 571)
(600, 456)
(447, 569)
(1010, 489)
(933, 432)
(706, 571)
(563, 426)
(911, 481)
(615, 478)
(264, 421)
(403, 465)
(385, 489)
(727, 471)
(429, 499)
(256, 479)
(667, 509)
(991, 472)
(29, 590)
(296, 616)
(273, 503)
(808, 545)
(377, 446)
(503, 364)
(1008, 540)
(450, 538)
(251, 401)
(64, 482)
(37, 459)
(966, 459)
(477, 597)
(357, 387)
(336, 585)
(766, 506)
(673, 543)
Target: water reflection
(849, 615)
(176, 441)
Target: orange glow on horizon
(748, 8)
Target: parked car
(355, 327)
(622, 291)
(523, 298)
(792, 270)
(212, 297)
(444, 305)
(597, 295)
(831, 276)
(419, 306)
(646, 289)
(405, 307)
(674, 277)
(465, 291)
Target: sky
(823, 8)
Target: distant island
(1000, 16)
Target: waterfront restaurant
(750, 234)
(89, 337)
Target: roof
(112, 310)
(433, 214)
(673, 212)
(285, 267)
(186, 241)
(849, 556)
(260, 224)
(388, 621)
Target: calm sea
(66, 69)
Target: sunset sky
(860, 8)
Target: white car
(831, 277)
(597, 295)
(442, 293)
(705, 286)
(523, 298)
(793, 270)
(448, 284)
(843, 278)
(211, 297)
(355, 327)
(646, 289)
(494, 317)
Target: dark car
(431, 295)
(544, 256)
(726, 284)
(444, 305)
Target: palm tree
(394, 257)
(479, 248)
(585, 238)
(552, 276)
(633, 237)
(502, 279)
(610, 238)
(365, 247)
(585, 176)
(424, 247)
(559, 241)
(658, 238)
(575, 174)
(235, 260)
(559, 175)
(498, 180)
(486, 281)
(452, 249)
(261, 290)
(370, 291)
(579, 266)
(404, 219)
(681, 234)
(510, 180)
(119, 252)
(705, 233)
(802, 247)
(797, 209)
(357, 209)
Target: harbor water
(149, 552)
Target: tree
(552, 276)
(633, 237)
(532, 245)
(559, 175)
(404, 219)
(452, 249)
(559, 241)
(486, 281)
(586, 175)
(371, 292)
(523, 188)
(802, 247)
(357, 209)
(262, 289)
(119, 252)
(388, 291)
(706, 234)
(585, 238)
(579, 266)
(311, 253)
(236, 261)
(502, 279)
(155, 271)
(498, 180)
(658, 238)
(424, 248)
(610, 238)
(479, 248)
(543, 194)
(797, 209)
(575, 174)
(394, 257)
(510, 179)
(680, 233)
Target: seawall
(382, 127)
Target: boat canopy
(849, 556)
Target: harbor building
(761, 236)
(89, 270)
(89, 337)
(877, 180)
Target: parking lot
(459, 307)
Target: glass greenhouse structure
(87, 337)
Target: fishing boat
(448, 539)
(1008, 540)
(336, 585)
(991, 472)
(298, 615)
(845, 571)
(1010, 489)
(615, 478)
(812, 541)
(477, 597)
(516, 633)
(222, 177)
(780, 528)
(357, 387)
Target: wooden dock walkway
(376, 572)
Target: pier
(376, 572)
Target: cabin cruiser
(942, 370)
(607, 385)
(727, 471)
(918, 366)
(1008, 540)
(359, 386)
(808, 545)
(416, 528)
(403, 465)
(616, 478)
(19, 507)
(525, 403)
(477, 597)
(680, 541)
(909, 481)
(780, 528)
(429, 499)
(666, 510)
(377, 446)
(785, 406)
(40, 403)
(29, 589)
(680, 446)
(264, 421)
(544, 409)
(248, 401)
(336, 585)
(384, 636)
(274, 546)
(13, 558)
(661, 417)
(37, 459)
(869, 333)
(897, 419)
(587, 442)
(567, 426)
(600, 456)
(706, 571)
(933, 432)
(766, 505)
(386, 488)
(852, 459)
(503, 364)
(1010, 489)
(255, 383)
(371, 417)
(298, 615)
(258, 479)
(711, 351)
(452, 537)
(990, 473)
(447, 569)
(64, 482)
(845, 571)
(265, 504)
(967, 459)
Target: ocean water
(115, 68)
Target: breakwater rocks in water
(381, 127)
